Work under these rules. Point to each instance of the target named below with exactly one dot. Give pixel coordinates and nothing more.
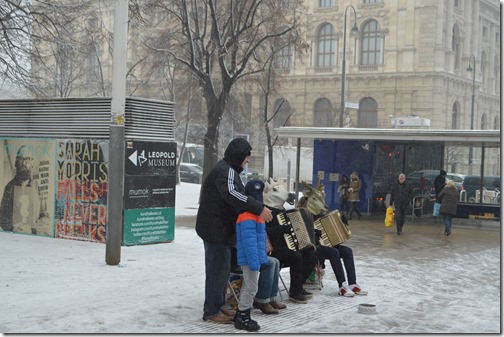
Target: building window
(485, 31)
(497, 74)
(456, 46)
(326, 46)
(371, 1)
(325, 3)
(458, 3)
(496, 123)
(483, 67)
(323, 115)
(283, 58)
(483, 122)
(282, 112)
(285, 4)
(368, 113)
(454, 116)
(370, 44)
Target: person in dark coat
(301, 263)
(222, 198)
(448, 197)
(343, 194)
(401, 196)
(439, 183)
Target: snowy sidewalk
(420, 282)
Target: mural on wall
(82, 189)
(27, 185)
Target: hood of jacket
(355, 175)
(236, 152)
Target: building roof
(491, 138)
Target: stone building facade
(409, 57)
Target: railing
(323, 69)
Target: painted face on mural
(24, 167)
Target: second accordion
(334, 231)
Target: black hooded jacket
(222, 197)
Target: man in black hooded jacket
(222, 198)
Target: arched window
(368, 113)
(483, 122)
(370, 43)
(323, 114)
(326, 46)
(455, 113)
(282, 112)
(456, 46)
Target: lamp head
(354, 28)
(469, 68)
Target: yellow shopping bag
(389, 217)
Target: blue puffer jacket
(251, 241)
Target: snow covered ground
(420, 282)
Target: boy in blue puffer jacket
(251, 254)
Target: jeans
(217, 266)
(334, 254)
(268, 281)
(447, 219)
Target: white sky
(64, 286)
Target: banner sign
(149, 225)
(149, 192)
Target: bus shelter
(380, 155)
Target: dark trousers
(301, 265)
(400, 217)
(334, 255)
(353, 208)
(344, 208)
(217, 266)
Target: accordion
(334, 231)
(298, 238)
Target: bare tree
(221, 43)
(17, 21)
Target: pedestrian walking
(343, 194)
(401, 195)
(448, 197)
(354, 194)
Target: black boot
(242, 321)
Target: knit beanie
(254, 188)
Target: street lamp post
(473, 69)
(343, 75)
